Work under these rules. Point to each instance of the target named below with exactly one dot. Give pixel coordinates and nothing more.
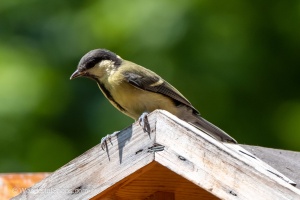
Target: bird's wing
(148, 80)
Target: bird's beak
(76, 74)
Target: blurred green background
(236, 61)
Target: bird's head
(97, 63)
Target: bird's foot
(104, 140)
(143, 121)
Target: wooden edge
(226, 170)
(97, 170)
(259, 164)
(285, 161)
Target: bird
(136, 91)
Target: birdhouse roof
(175, 159)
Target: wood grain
(226, 170)
(153, 178)
(175, 157)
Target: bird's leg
(104, 140)
(143, 121)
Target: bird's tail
(212, 130)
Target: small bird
(136, 91)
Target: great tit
(136, 91)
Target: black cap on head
(95, 56)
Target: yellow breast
(136, 101)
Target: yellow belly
(136, 101)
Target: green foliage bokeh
(236, 61)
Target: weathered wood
(287, 162)
(97, 170)
(225, 170)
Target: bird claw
(104, 140)
(143, 121)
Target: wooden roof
(175, 158)
(287, 162)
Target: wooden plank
(217, 167)
(228, 171)
(152, 178)
(285, 161)
(96, 170)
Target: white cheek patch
(108, 66)
(103, 69)
(105, 63)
